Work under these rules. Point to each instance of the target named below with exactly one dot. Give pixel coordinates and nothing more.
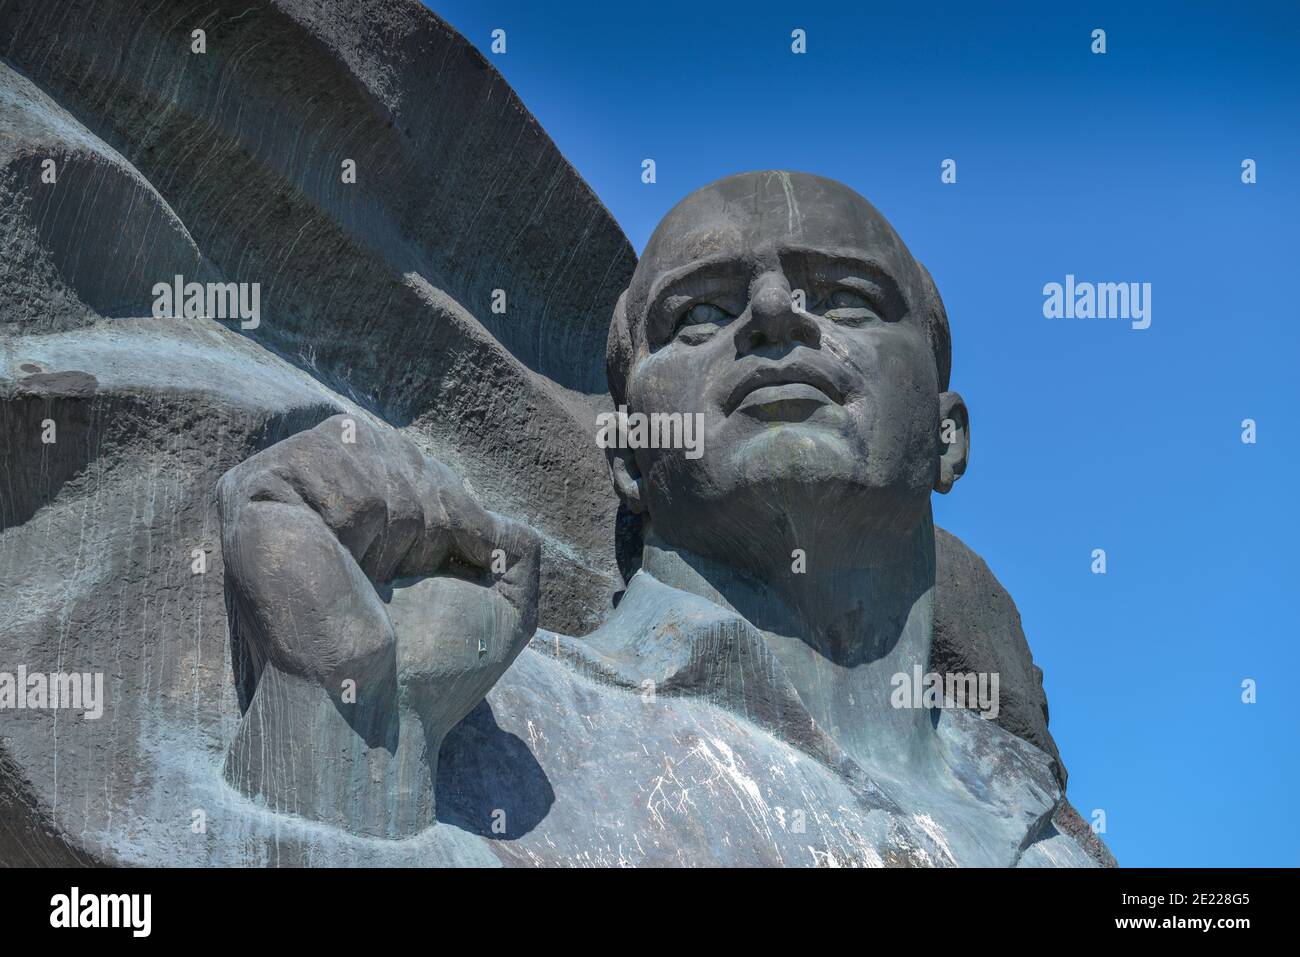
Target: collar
(689, 646)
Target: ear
(626, 477)
(954, 441)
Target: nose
(772, 319)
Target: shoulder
(977, 628)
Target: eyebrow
(844, 257)
(849, 260)
(713, 266)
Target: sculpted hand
(365, 561)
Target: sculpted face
(785, 310)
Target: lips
(793, 382)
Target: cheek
(898, 406)
(652, 385)
(676, 378)
(898, 351)
(670, 383)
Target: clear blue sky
(1086, 433)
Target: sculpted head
(786, 310)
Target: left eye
(846, 305)
(847, 299)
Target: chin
(794, 454)
(795, 476)
(810, 473)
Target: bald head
(751, 220)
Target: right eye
(704, 312)
(701, 321)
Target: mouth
(783, 392)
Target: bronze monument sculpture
(638, 568)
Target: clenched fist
(377, 602)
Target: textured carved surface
(375, 305)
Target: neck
(840, 633)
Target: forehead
(752, 217)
